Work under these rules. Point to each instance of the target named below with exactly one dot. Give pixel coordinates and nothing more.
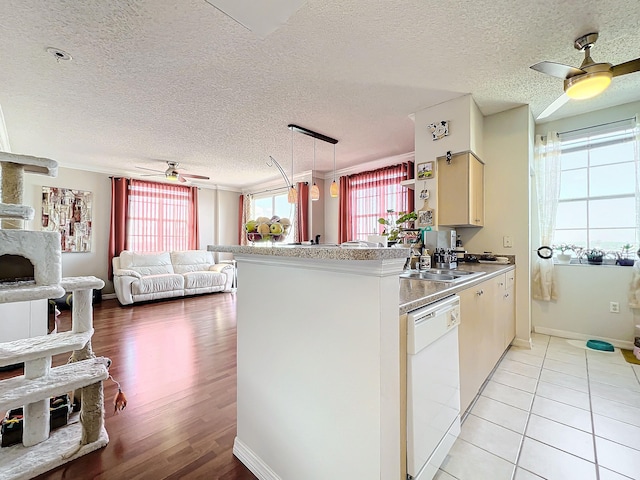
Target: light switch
(507, 241)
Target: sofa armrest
(126, 273)
(230, 272)
(221, 267)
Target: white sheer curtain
(546, 165)
(634, 287)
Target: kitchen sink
(440, 275)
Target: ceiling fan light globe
(172, 176)
(588, 85)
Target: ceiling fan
(173, 174)
(589, 80)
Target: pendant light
(292, 197)
(334, 186)
(315, 190)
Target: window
(597, 204)
(160, 217)
(268, 205)
(372, 194)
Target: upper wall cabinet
(461, 191)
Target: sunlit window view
(274, 204)
(597, 206)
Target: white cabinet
(23, 320)
(460, 191)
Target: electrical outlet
(614, 307)
(507, 241)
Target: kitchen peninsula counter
(318, 361)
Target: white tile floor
(559, 411)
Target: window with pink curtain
(367, 196)
(161, 217)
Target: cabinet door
(469, 336)
(460, 191)
(509, 309)
(476, 192)
(453, 190)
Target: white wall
(331, 208)
(584, 292)
(506, 196)
(218, 215)
(78, 264)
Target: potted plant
(625, 256)
(594, 256)
(392, 228)
(564, 257)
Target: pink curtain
(344, 209)
(162, 217)
(241, 221)
(194, 224)
(367, 196)
(302, 211)
(118, 223)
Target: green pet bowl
(600, 345)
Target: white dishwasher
(433, 386)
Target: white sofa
(139, 277)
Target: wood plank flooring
(176, 362)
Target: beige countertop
(319, 252)
(418, 293)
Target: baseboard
(253, 462)
(580, 336)
(108, 296)
(522, 343)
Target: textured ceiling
(158, 80)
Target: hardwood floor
(176, 362)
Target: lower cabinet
(487, 328)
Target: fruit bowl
(254, 237)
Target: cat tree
(42, 450)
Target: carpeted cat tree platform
(41, 449)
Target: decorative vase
(625, 262)
(564, 258)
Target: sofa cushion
(204, 279)
(146, 263)
(158, 283)
(191, 261)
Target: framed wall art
(439, 129)
(69, 212)
(426, 170)
(425, 217)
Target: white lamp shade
(292, 196)
(334, 189)
(315, 192)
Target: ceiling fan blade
(182, 179)
(201, 177)
(559, 70)
(626, 67)
(150, 169)
(555, 105)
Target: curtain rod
(595, 126)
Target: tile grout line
(526, 424)
(593, 425)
